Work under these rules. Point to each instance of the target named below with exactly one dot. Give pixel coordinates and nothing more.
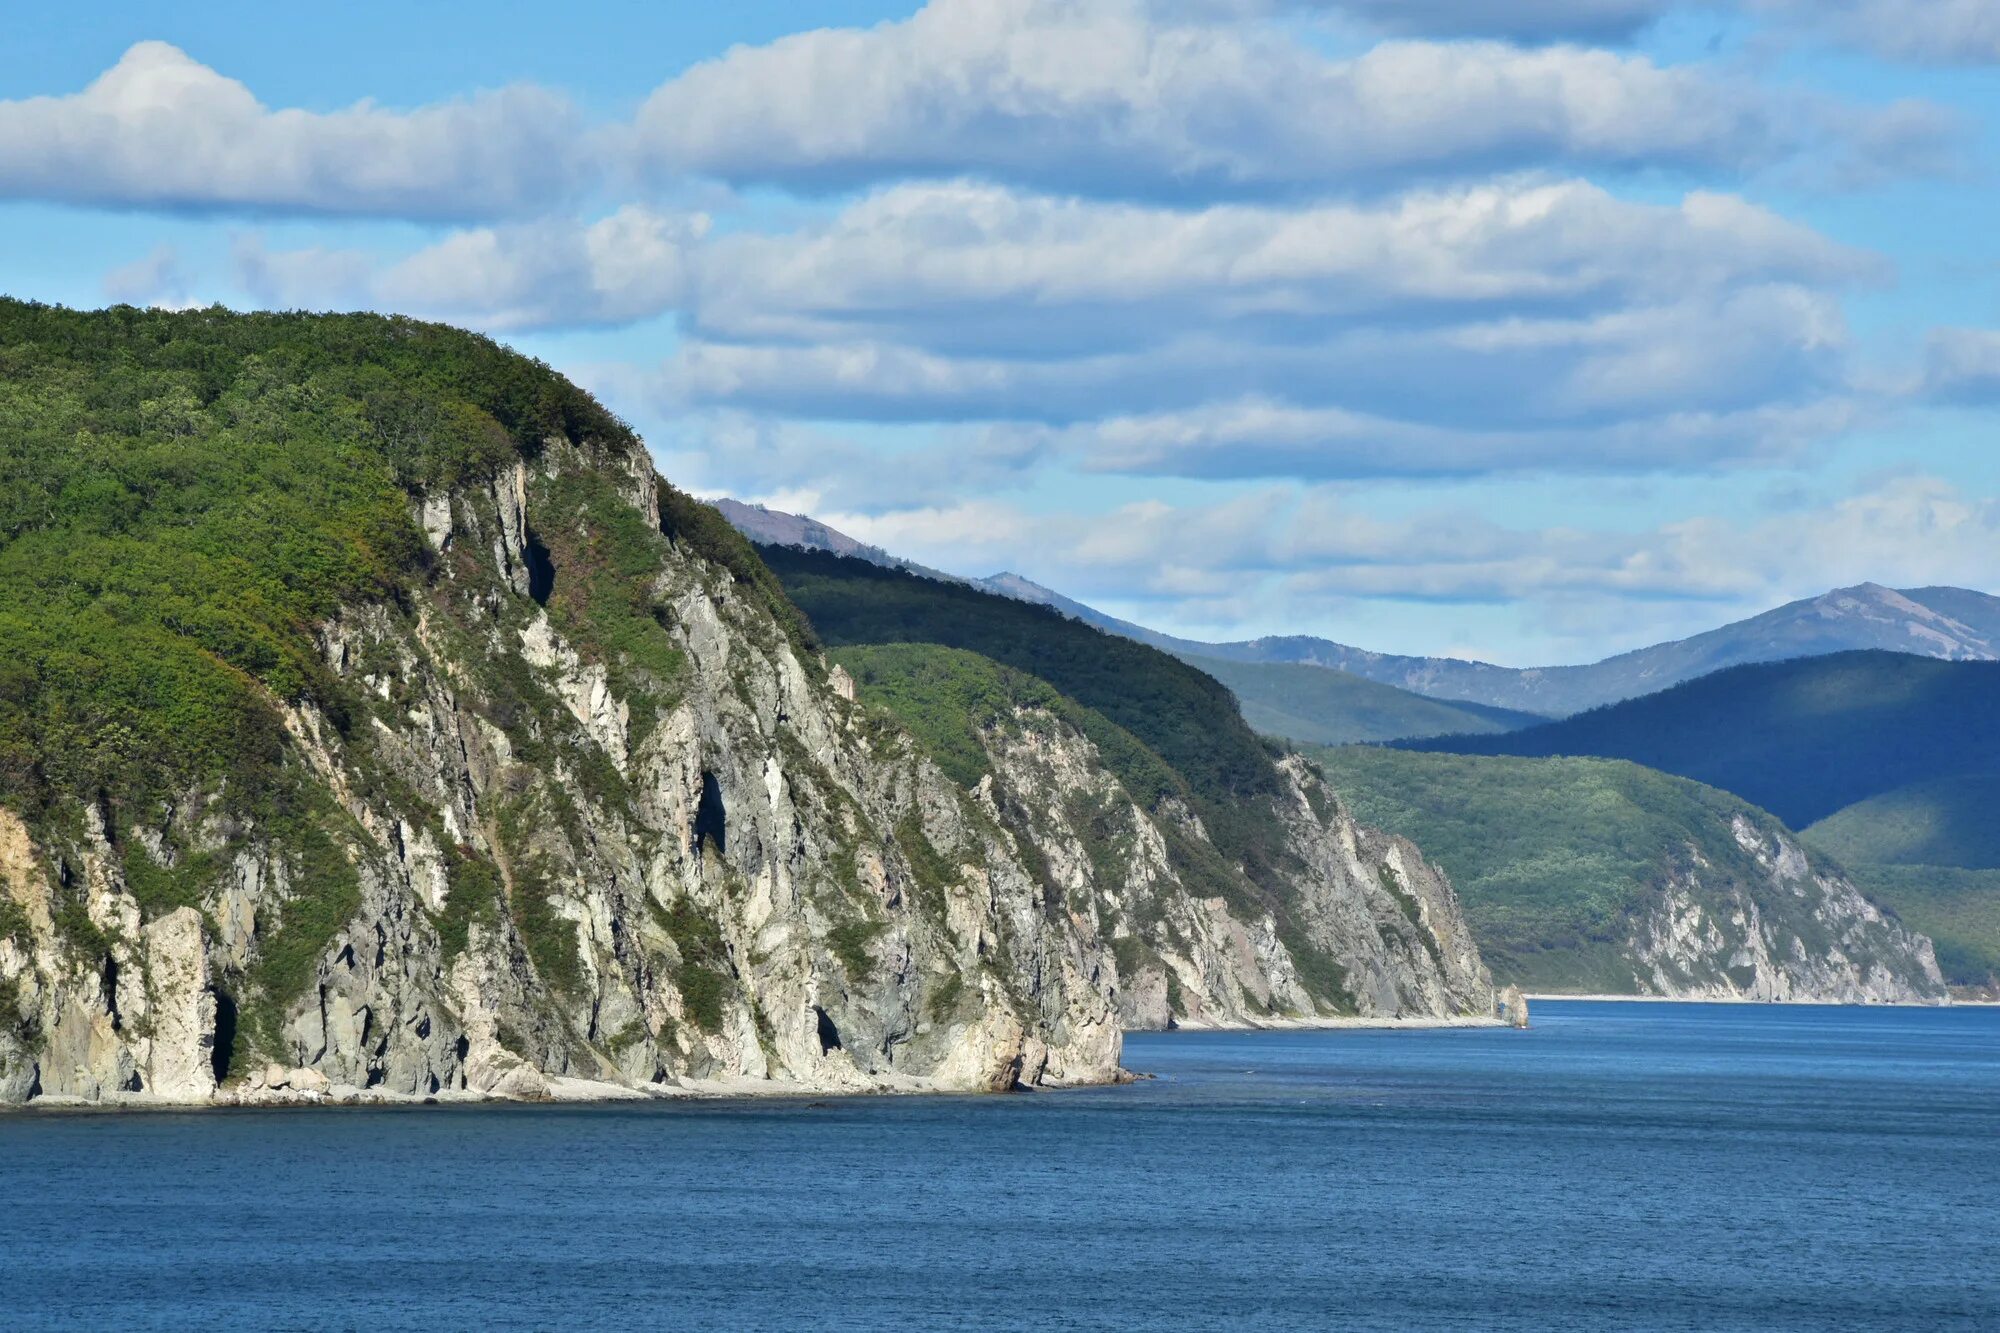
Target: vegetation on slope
(945, 697)
(1952, 821)
(181, 495)
(1188, 718)
(1552, 858)
(184, 499)
(1802, 738)
(1958, 908)
(1314, 705)
(1163, 727)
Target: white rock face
(548, 874)
(1799, 936)
(181, 1060)
(1385, 920)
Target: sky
(1530, 331)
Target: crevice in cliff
(541, 569)
(829, 1035)
(710, 819)
(225, 1036)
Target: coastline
(1413, 1023)
(1534, 997)
(589, 1092)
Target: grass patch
(933, 875)
(325, 895)
(160, 889)
(704, 977)
(473, 896)
(850, 941)
(943, 1002)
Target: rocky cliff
(1785, 929)
(1595, 876)
(1374, 928)
(560, 799)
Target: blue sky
(1532, 331)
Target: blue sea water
(1619, 1166)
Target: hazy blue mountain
(1314, 706)
(1802, 738)
(1952, 821)
(1952, 624)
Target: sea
(1616, 1166)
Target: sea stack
(1514, 1007)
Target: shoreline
(1413, 1023)
(593, 1092)
(1538, 998)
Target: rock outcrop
(1803, 933)
(589, 818)
(1368, 909)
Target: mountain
(1958, 909)
(1953, 821)
(1802, 738)
(1931, 851)
(1952, 624)
(1306, 705)
(375, 724)
(1313, 706)
(1599, 876)
(1064, 731)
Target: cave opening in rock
(829, 1035)
(225, 1035)
(709, 817)
(541, 570)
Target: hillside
(377, 725)
(1959, 909)
(1118, 844)
(1236, 825)
(1597, 876)
(1802, 739)
(1952, 821)
(1316, 706)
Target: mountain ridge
(1949, 624)
(1802, 738)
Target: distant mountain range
(1953, 624)
(1801, 738)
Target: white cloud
(1514, 20)
(1099, 97)
(1516, 325)
(625, 267)
(1284, 561)
(964, 267)
(1735, 351)
(157, 279)
(159, 129)
(1254, 438)
(1927, 32)
(1963, 366)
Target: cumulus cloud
(967, 267)
(1515, 20)
(160, 129)
(157, 279)
(1724, 352)
(625, 267)
(1506, 327)
(1963, 366)
(1933, 32)
(1099, 97)
(1517, 325)
(1280, 560)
